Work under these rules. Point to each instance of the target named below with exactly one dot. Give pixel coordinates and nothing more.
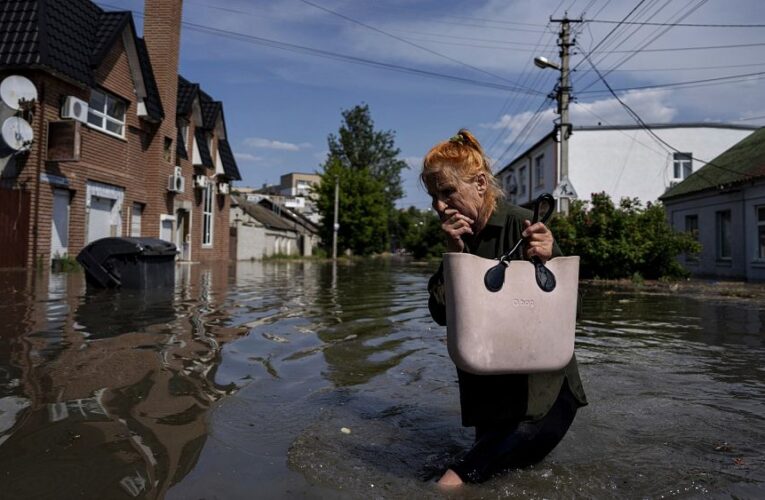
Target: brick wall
(136, 163)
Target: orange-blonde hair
(461, 157)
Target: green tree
(419, 232)
(620, 242)
(359, 146)
(362, 214)
(365, 161)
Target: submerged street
(274, 379)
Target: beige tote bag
(518, 329)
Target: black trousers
(501, 447)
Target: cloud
(262, 143)
(650, 105)
(414, 162)
(247, 157)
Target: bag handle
(494, 278)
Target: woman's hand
(454, 224)
(539, 241)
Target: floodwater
(291, 379)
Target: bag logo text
(523, 303)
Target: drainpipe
(38, 173)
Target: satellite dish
(16, 88)
(17, 133)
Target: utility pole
(565, 191)
(336, 225)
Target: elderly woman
(518, 419)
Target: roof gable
(71, 38)
(743, 162)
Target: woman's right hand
(454, 224)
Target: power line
(683, 25)
(648, 129)
(291, 47)
(658, 33)
(679, 49)
(403, 40)
(750, 118)
(676, 84)
(681, 68)
(602, 40)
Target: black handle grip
(548, 198)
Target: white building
(623, 161)
(723, 206)
(265, 229)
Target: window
(511, 185)
(183, 131)
(135, 220)
(522, 181)
(722, 229)
(692, 228)
(760, 231)
(682, 165)
(106, 113)
(167, 150)
(207, 215)
(539, 170)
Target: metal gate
(14, 227)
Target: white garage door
(100, 218)
(104, 203)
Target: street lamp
(543, 62)
(562, 192)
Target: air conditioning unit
(200, 181)
(74, 108)
(223, 188)
(176, 183)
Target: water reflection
(244, 378)
(117, 386)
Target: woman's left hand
(539, 241)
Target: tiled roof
(67, 37)
(109, 27)
(19, 38)
(210, 110)
(204, 151)
(743, 162)
(186, 93)
(265, 216)
(152, 101)
(229, 162)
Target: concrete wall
(625, 162)
(547, 149)
(631, 163)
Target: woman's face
(451, 192)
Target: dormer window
(107, 113)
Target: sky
(286, 69)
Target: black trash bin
(129, 263)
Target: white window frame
(679, 162)
(521, 181)
(104, 116)
(184, 129)
(539, 170)
(208, 211)
(760, 221)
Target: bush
(624, 241)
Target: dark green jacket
(487, 399)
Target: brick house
(122, 145)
